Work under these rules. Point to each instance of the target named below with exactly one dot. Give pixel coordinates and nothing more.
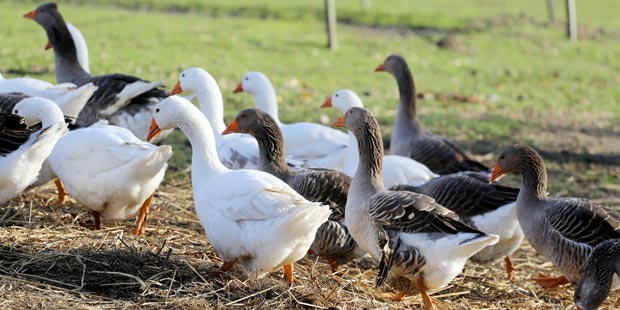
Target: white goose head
(253, 83)
(343, 100)
(35, 110)
(258, 85)
(194, 79)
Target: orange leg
(510, 269)
(144, 210)
(429, 303)
(550, 282)
(97, 217)
(288, 273)
(227, 266)
(399, 296)
(62, 192)
(333, 263)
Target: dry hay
(50, 256)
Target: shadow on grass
(112, 273)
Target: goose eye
(350, 112)
(183, 75)
(246, 79)
(15, 112)
(336, 95)
(242, 116)
(157, 110)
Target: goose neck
(212, 106)
(368, 175)
(52, 116)
(534, 184)
(205, 160)
(267, 101)
(271, 150)
(68, 69)
(407, 109)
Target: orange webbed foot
(62, 192)
(288, 273)
(550, 282)
(510, 269)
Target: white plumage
(250, 217)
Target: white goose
(396, 169)
(250, 217)
(71, 100)
(236, 151)
(22, 152)
(110, 171)
(302, 140)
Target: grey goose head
(46, 15)
(595, 283)
(359, 121)
(394, 64)
(517, 158)
(253, 122)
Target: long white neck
(212, 105)
(267, 101)
(50, 115)
(353, 156)
(205, 160)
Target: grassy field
(538, 88)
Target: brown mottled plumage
(563, 230)
(319, 185)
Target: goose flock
(267, 193)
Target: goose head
(193, 79)
(167, 114)
(35, 110)
(250, 121)
(590, 294)
(596, 280)
(252, 83)
(355, 119)
(392, 64)
(515, 159)
(46, 15)
(343, 100)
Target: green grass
(540, 79)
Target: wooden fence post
(330, 20)
(551, 11)
(571, 19)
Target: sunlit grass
(532, 74)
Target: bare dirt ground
(51, 257)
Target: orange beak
(327, 103)
(30, 14)
(48, 45)
(578, 308)
(177, 89)
(340, 122)
(154, 130)
(497, 172)
(232, 128)
(238, 89)
(380, 68)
